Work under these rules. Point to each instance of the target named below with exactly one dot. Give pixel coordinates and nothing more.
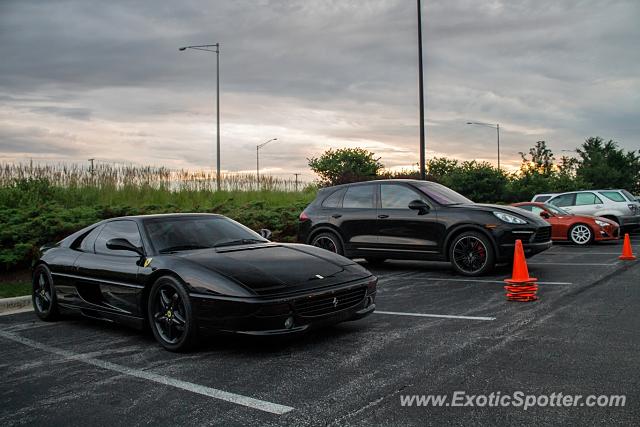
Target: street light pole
(258, 147)
(497, 128)
(207, 48)
(423, 173)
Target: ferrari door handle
(383, 216)
(336, 216)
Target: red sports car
(578, 229)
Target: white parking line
(585, 264)
(453, 279)
(250, 402)
(439, 316)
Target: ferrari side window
(118, 230)
(89, 240)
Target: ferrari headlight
(601, 223)
(511, 219)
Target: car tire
(580, 234)
(170, 315)
(375, 261)
(472, 254)
(43, 294)
(328, 241)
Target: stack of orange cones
(627, 252)
(521, 287)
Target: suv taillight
(304, 217)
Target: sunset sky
(104, 79)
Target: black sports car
(411, 219)
(184, 274)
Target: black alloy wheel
(170, 315)
(43, 294)
(328, 241)
(471, 254)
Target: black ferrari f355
(184, 274)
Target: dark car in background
(419, 220)
(184, 274)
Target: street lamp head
(182, 48)
(469, 123)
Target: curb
(15, 303)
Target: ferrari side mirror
(120, 244)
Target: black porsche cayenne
(420, 220)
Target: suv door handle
(383, 216)
(336, 216)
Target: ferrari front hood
(272, 268)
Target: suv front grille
(542, 235)
(330, 302)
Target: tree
(604, 165)
(541, 162)
(345, 165)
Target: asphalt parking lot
(433, 333)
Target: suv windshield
(441, 194)
(173, 234)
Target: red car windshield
(555, 210)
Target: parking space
(434, 332)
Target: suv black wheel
(472, 254)
(171, 316)
(328, 241)
(43, 294)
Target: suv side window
(89, 240)
(396, 196)
(334, 200)
(359, 197)
(613, 195)
(563, 200)
(587, 199)
(118, 229)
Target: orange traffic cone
(627, 252)
(520, 286)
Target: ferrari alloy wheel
(580, 234)
(170, 315)
(328, 241)
(43, 294)
(471, 254)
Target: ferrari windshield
(441, 194)
(174, 234)
(555, 210)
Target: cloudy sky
(104, 79)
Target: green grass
(34, 212)
(8, 290)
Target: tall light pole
(494, 126)
(258, 147)
(208, 48)
(423, 173)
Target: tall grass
(118, 176)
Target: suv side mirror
(545, 215)
(120, 244)
(421, 206)
(265, 233)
